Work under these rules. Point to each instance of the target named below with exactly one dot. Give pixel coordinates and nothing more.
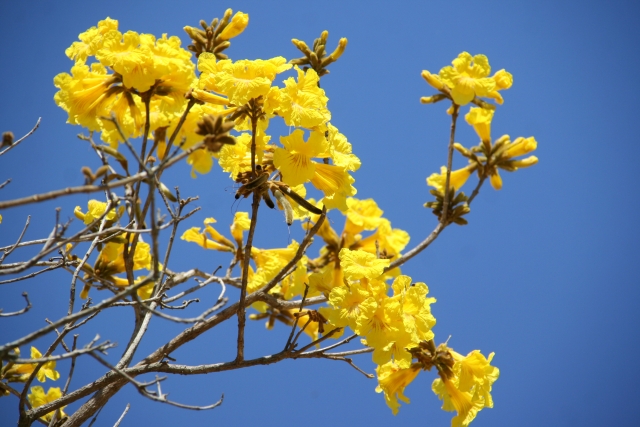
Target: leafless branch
(75, 353)
(4, 350)
(15, 143)
(126, 409)
(15, 245)
(19, 312)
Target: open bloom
(469, 389)
(38, 397)
(21, 372)
(469, 77)
(392, 380)
(297, 167)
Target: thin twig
(126, 409)
(245, 272)
(19, 312)
(15, 245)
(100, 347)
(77, 315)
(15, 143)
(445, 203)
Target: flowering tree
(129, 86)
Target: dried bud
(7, 139)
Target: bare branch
(126, 409)
(19, 312)
(15, 143)
(78, 315)
(75, 353)
(15, 245)
(59, 264)
(96, 188)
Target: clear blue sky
(545, 274)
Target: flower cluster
(134, 77)
(20, 372)
(468, 81)
(219, 110)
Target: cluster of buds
(214, 37)
(260, 184)
(457, 208)
(215, 130)
(317, 57)
(428, 356)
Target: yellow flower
(457, 178)
(129, 64)
(303, 103)
(21, 372)
(270, 261)
(242, 80)
(503, 80)
(433, 80)
(237, 25)
(362, 215)
(480, 119)
(416, 308)
(456, 400)
(95, 209)
(143, 292)
(294, 161)
(90, 41)
(241, 223)
(111, 261)
(359, 264)
(349, 304)
(505, 157)
(341, 151)
(37, 398)
(468, 78)
(392, 380)
(389, 242)
(469, 389)
(194, 235)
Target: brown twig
(19, 312)
(15, 143)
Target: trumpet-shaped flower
(469, 389)
(90, 41)
(392, 380)
(480, 119)
(95, 209)
(359, 264)
(457, 178)
(22, 371)
(242, 80)
(297, 167)
(468, 78)
(237, 25)
(362, 215)
(341, 150)
(303, 103)
(38, 397)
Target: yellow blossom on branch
(21, 372)
(38, 397)
(468, 389)
(469, 77)
(392, 380)
(237, 25)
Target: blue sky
(545, 274)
